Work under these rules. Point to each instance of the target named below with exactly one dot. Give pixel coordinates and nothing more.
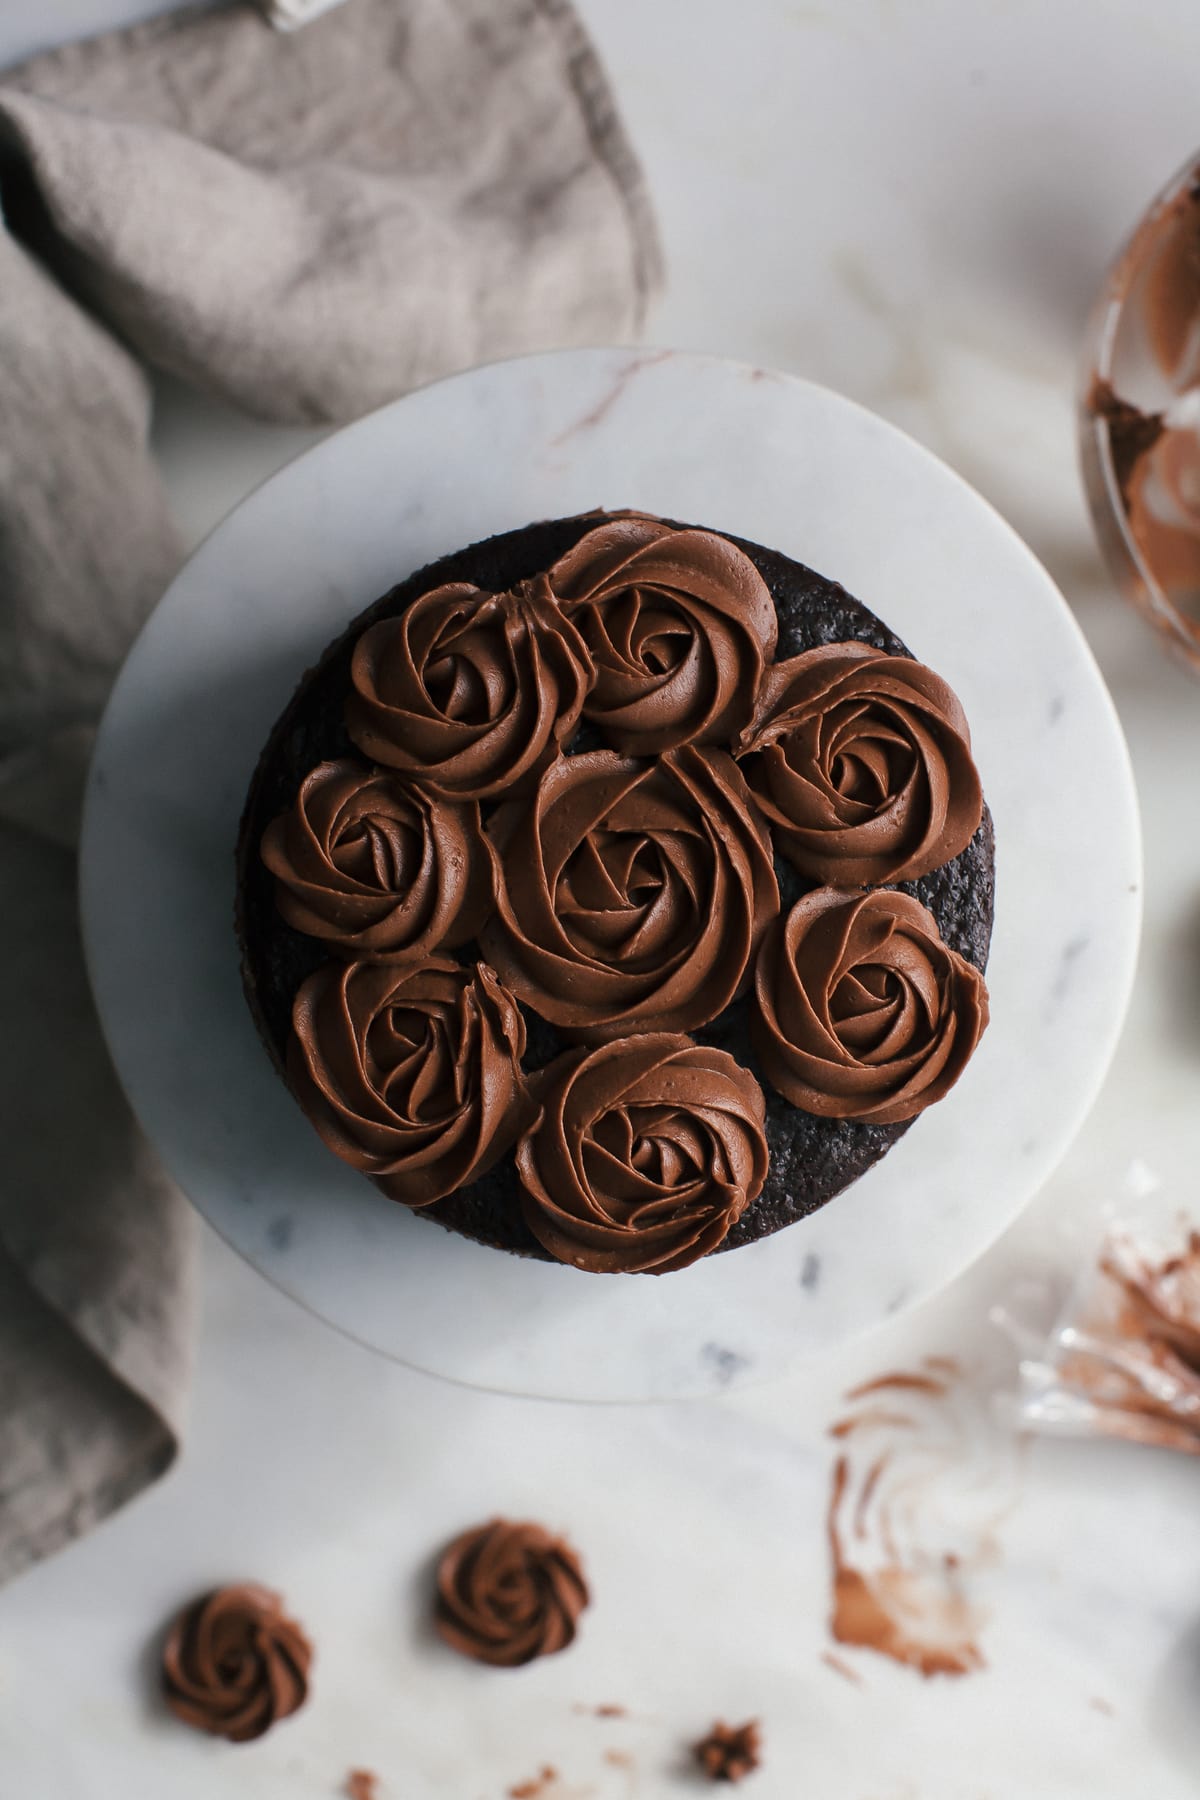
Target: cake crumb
(730, 1752)
(840, 1667)
(536, 1787)
(362, 1784)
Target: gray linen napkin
(307, 225)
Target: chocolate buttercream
(376, 866)
(411, 1073)
(469, 693)
(509, 1592)
(234, 1663)
(633, 895)
(1132, 433)
(644, 1154)
(862, 764)
(861, 1011)
(679, 624)
(1157, 471)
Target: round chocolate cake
(616, 892)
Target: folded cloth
(308, 225)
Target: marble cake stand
(741, 449)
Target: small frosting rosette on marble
(509, 1592)
(234, 1664)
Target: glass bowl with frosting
(1139, 415)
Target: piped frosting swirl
(633, 894)
(509, 1592)
(377, 867)
(644, 1155)
(234, 1664)
(862, 1012)
(466, 692)
(410, 1072)
(862, 764)
(679, 624)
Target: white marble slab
(771, 458)
(911, 200)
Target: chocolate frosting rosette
(469, 693)
(644, 1155)
(862, 1012)
(234, 1664)
(410, 1072)
(862, 764)
(376, 866)
(679, 625)
(633, 894)
(509, 1592)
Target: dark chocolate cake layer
(812, 1158)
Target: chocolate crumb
(362, 1784)
(535, 1788)
(841, 1667)
(730, 1752)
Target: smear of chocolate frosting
(377, 867)
(469, 693)
(234, 1664)
(509, 1592)
(1170, 295)
(633, 894)
(679, 624)
(912, 1444)
(644, 1154)
(410, 1072)
(862, 764)
(862, 1012)
(893, 1612)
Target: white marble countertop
(911, 200)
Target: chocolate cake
(653, 855)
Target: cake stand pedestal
(745, 451)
